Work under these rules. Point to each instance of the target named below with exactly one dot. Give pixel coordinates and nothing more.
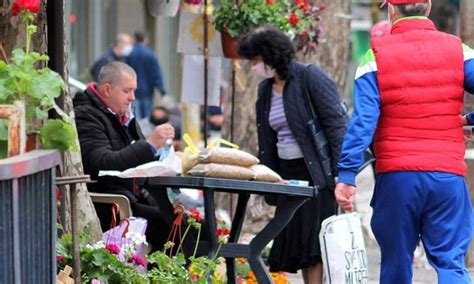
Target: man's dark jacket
(107, 145)
(327, 103)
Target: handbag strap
(304, 87)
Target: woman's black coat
(327, 103)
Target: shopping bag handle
(115, 211)
(189, 142)
(218, 141)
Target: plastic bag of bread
(228, 156)
(221, 171)
(264, 173)
(189, 158)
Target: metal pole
(232, 104)
(206, 61)
(76, 257)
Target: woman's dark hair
(272, 45)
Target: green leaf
(56, 134)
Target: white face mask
(263, 70)
(126, 50)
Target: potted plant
(298, 19)
(25, 77)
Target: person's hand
(468, 135)
(160, 134)
(345, 195)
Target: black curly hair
(272, 45)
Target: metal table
(294, 197)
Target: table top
(229, 185)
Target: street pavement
(423, 273)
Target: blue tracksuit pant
(432, 206)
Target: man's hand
(160, 134)
(345, 195)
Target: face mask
(158, 121)
(263, 70)
(126, 50)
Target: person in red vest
(409, 97)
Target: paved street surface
(423, 273)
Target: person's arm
(332, 116)
(469, 77)
(363, 121)
(97, 150)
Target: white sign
(191, 36)
(193, 80)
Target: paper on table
(170, 166)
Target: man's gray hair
(122, 38)
(112, 72)
(410, 10)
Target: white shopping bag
(343, 250)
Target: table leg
(237, 223)
(283, 214)
(210, 216)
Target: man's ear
(106, 89)
(428, 11)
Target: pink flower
(112, 248)
(60, 258)
(26, 5)
(137, 260)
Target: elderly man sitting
(111, 139)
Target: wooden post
(15, 114)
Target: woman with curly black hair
(285, 143)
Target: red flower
(270, 2)
(58, 194)
(60, 258)
(112, 248)
(26, 5)
(293, 19)
(303, 4)
(222, 232)
(193, 213)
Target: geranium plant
(299, 19)
(25, 77)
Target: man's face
(121, 95)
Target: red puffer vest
(420, 76)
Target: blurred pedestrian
(285, 142)
(159, 115)
(122, 47)
(145, 63)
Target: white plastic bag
(170, 166)
(343, 250)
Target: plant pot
(163, 7)
(229, 45)
(32, 141)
